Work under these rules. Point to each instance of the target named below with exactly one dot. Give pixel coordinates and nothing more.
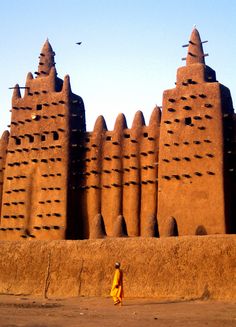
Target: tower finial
(46, 59)
(155, 118)
(16, 93)
(120, 123)
(100, 125)
(138, 120)
(195, 50)
(66, 85)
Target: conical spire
(5, 137)
(138, 120)
(100, 125)
(16, 92)
(29, 78)
(120, 123)
(155, 118)
(66, 88)
(195, 50)
(46, 59)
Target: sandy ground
(20, 311)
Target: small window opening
(197, 117)
(108, 138)
(188, 120)
(187, 108)
(176, 177)
(55, 136)
(39, 107)
(187, 158)
(18, 141)
(127, 136)
(43, 137)
(145, 134)
(31, 138)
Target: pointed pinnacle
(120, 123)
(100, 125)
(16, 93)
(66, 88)
(195, 50)
(155, 118)
(139, 120)
(46, 59)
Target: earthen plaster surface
(174, 268)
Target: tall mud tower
(37, 157)
(195, 159)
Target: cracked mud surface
(24, 311)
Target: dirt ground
(23, 311)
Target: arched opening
(173, 227)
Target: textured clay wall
(118, 193)
(36, 167)
(184, 268)
(35, 180)
(192, 166)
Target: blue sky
(130, 49)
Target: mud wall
(197, 267)
(120, 178)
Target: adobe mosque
(173, 176)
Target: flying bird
(79, 43)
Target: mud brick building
(173, 176)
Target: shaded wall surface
(196, 267)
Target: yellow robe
(117, 286)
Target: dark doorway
(173, 227)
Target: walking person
(117, 291)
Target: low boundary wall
(176, 268)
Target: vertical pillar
(117, 168)
(149, 175)
(3, 148)
(93, 198)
